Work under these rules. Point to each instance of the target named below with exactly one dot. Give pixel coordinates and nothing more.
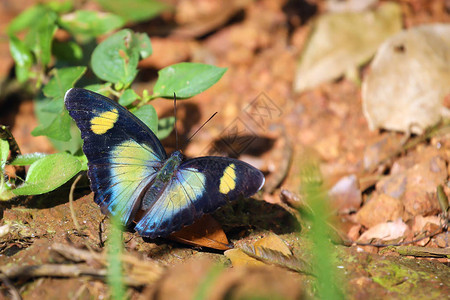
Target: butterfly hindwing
(123, 153)
(199, 186)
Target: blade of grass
(322, 248)
(206, 285)
(115, 249)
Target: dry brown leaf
(272, 242)
(268, 250)
(239, 258)
(385, 231)
(340, 42)
(205, 232)
(408, 81)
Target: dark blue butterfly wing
(123, 153)
(199, 186)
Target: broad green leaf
(41, 106)
(90, 23)
(44, 36)
(145, 46)
(128, 97)
(40, 21)
(27, 159)
(4, 153)
(67, 51)
(165, 127)
(40, 36)
(55, 106)
(59, 128)
(62, 80)
(134, 10)
(49, 173)
(147, 114)
(27, 18)
(60, 7)
(186, 79)
(22, 57)
(72, 145)
(116, 58)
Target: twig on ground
(15, 295)
(72, 211)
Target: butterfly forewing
(123, 154)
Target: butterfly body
(162, 179)
(130, 171)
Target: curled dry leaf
(273, 242)
(205, 232)
(408, 81)
(268, 250)
(385, 231)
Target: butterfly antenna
(175, 114)
(201, 126)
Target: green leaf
(62, 80)
(128, 97)
(27, 159)
(39, 38)
(116, 58)
(90, 23)
(147, 114)
(186, 79)
(72, 145)
(55, 106)
(165, 127)
(60, 7)
(67, 51)
(134, 10)
(4, 153)
(22, 57)
(59, 128)
(49, 173)
(145, 46)
(41, 107)
(27, 18)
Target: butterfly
(131, 174)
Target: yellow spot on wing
(228, 180)
(104, 122)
